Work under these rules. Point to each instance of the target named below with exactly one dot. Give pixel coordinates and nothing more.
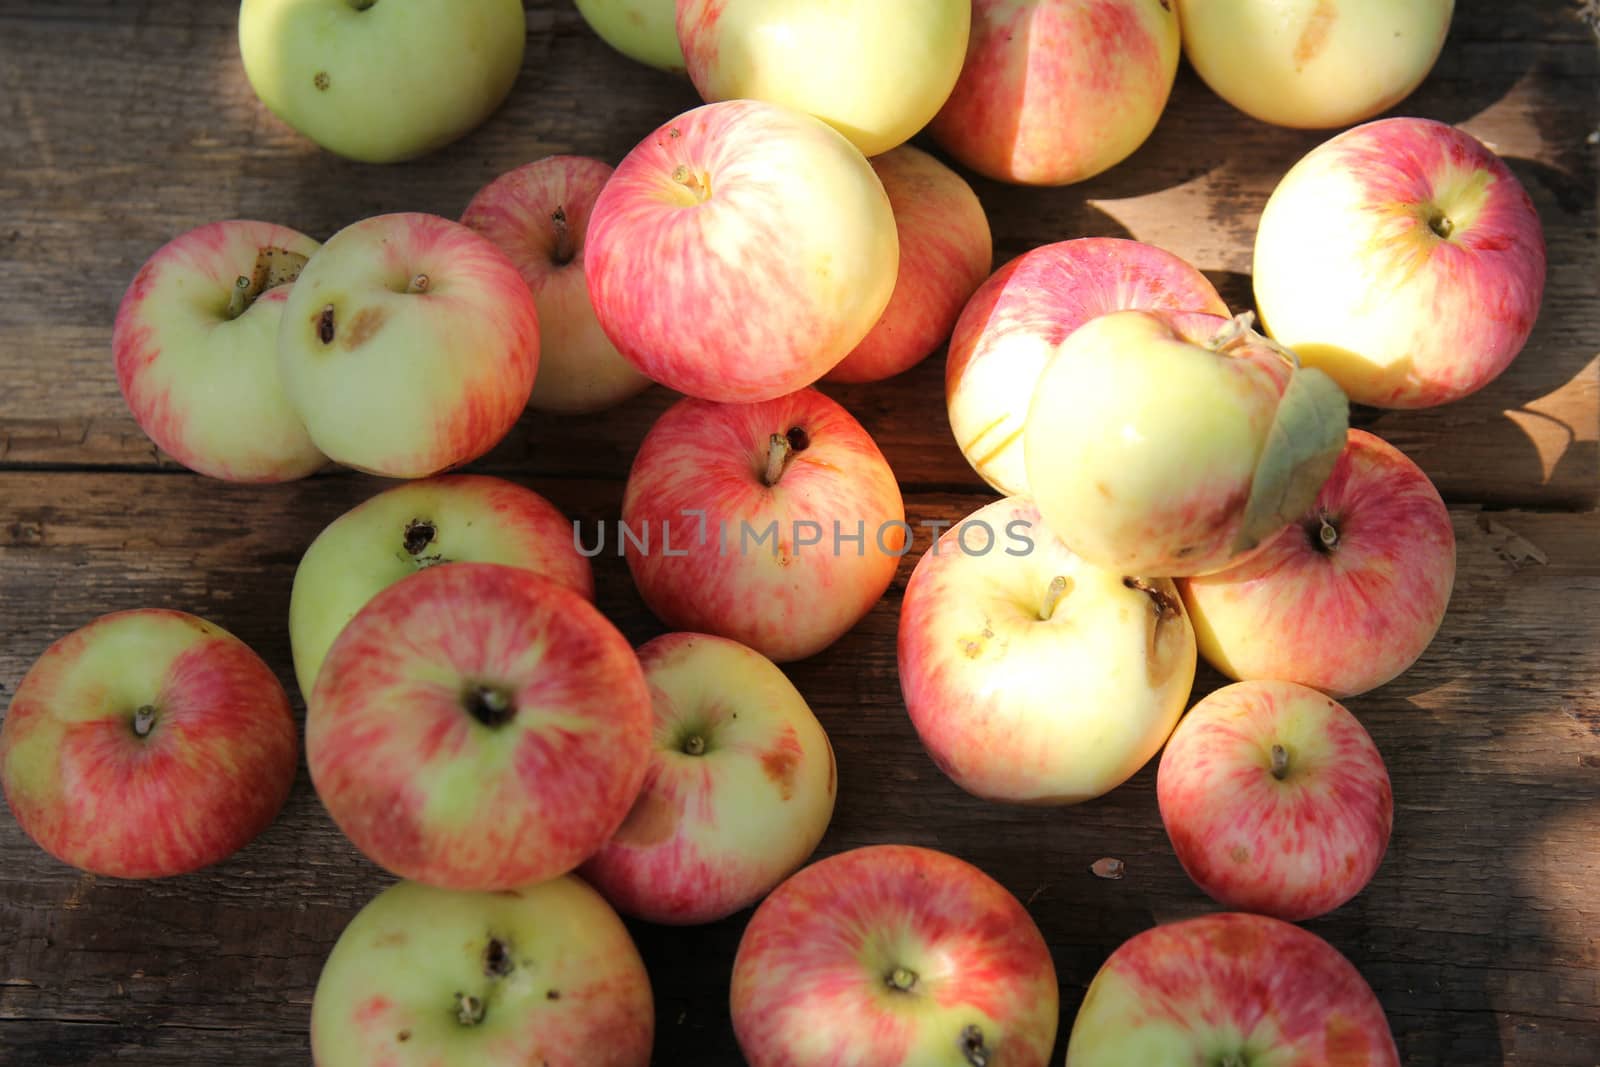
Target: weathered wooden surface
(123, 123)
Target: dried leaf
(1512, 546)
(275, 267)
(1108, 868)
(1308, 433)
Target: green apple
(542, 975)
(380, 81)
(644, 30)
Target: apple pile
(1175, 485)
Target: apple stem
(1328, 534)
(1242, 326)
(1052, 597)
(690, 181)
(239, 299)
(490, 705)
(418, 285)
(144, 720)
(1232, 1059)
(901, 979)
(325, 327)
(779, 452)
(974, 1047)
(1280, 762)
(469, 1009)
(1167, 605)
(695, 745)
(1441, 224)
(564, 251)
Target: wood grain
(124, 123)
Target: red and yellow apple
(1348, 595)
(1018, 318)
(1275, 800)
(739, 791)
(1056, 91)
(741, 251)
(147, 743)
(893, 956)
(945, 253)
(477, 726)
(1032, 676)
(778, 525)
(1404, 258)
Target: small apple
(1403, 258)
(642, 30)
(1184, 476)
(1033, 676)
(740, 252)
(1313, 63)
(893, 956)
(945, 254)
(196, 342)
(778, 525)
(478, 726)
(1275, 799)
(875, 72)
(380, 81)
(147, 743)
(1230, 990)
(450, 518)
(1347, 596)
(543, 974)
(538, 216)
(409, 345)
(1019, 317)
(1056, 91)
(739, 792)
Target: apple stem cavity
(325, 330)
(469, 1009)
(564, 250)
(496, 959)
(490, 705)
(1052, 597)
(1232, 1059)
(779, 452)
(144, 720)
(1167, 606)
(901, 980)
(1280, 762)
(692, 182)
(973, 1047)
(1327, 535)
(694, 745)
(418, 285)
(1441, 224)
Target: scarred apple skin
(148, 743)
(946, 251)
(1018, 318)
(1275, 799)
(1230, 989)
(1348, 596)
(893, 956)
(201, 375)
(739, 792)
(741, 251)
(543, 974)
(478, 726)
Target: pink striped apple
(477, 726)
(1405, 259)
(196, 342)
(741, 251)
(893, 956)
(1230, 990)
(147, 743)
(538, 215)
(739, 792)
(1019, 317)
(945, 254)
(776, 524)
(1275, 799)
(409, 345)
(1056, 91)
(1347, 596)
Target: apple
(409, 345)
(1346, 597)
(147, 743)
(379, 81)
(1019, 317)
(478, 726)
(1275, 799)
(778, 525)
(875, 72)
(1232, 443)
(1313, 63)
(945, 254)
(739, 792)
(1229, 990)
(1032, 676)
(543, 974)
(1403, 258)
(195, 344)
(450, 518)
(643, 30)
(538, 216)
(893, 956)
(740, 252)
(1057, 91)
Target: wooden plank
(1478, 932)
(93, 189)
